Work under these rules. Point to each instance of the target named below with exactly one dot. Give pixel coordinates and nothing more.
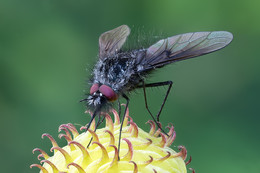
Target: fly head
(100, 96)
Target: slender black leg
(122, 121)
(169, 83)
(119, 108)
(91, 120)
(98, 123)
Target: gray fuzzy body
(122, 72)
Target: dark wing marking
(111, 41)
(185, 46)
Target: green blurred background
(47, 45)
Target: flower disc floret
(97, 152)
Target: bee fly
(118, 72)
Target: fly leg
(98, 123)
(92, 118)
(90, 122)
(169, 83)
(121, 126)
(157, 84)
(119, 108)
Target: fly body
(121, 73)
(117, 72)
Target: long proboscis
(95, 113)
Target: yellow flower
(139, 151)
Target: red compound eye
(108, 92)
(94, 88)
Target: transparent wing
(111, 41)
(185, 46)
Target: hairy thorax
(119, 72)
